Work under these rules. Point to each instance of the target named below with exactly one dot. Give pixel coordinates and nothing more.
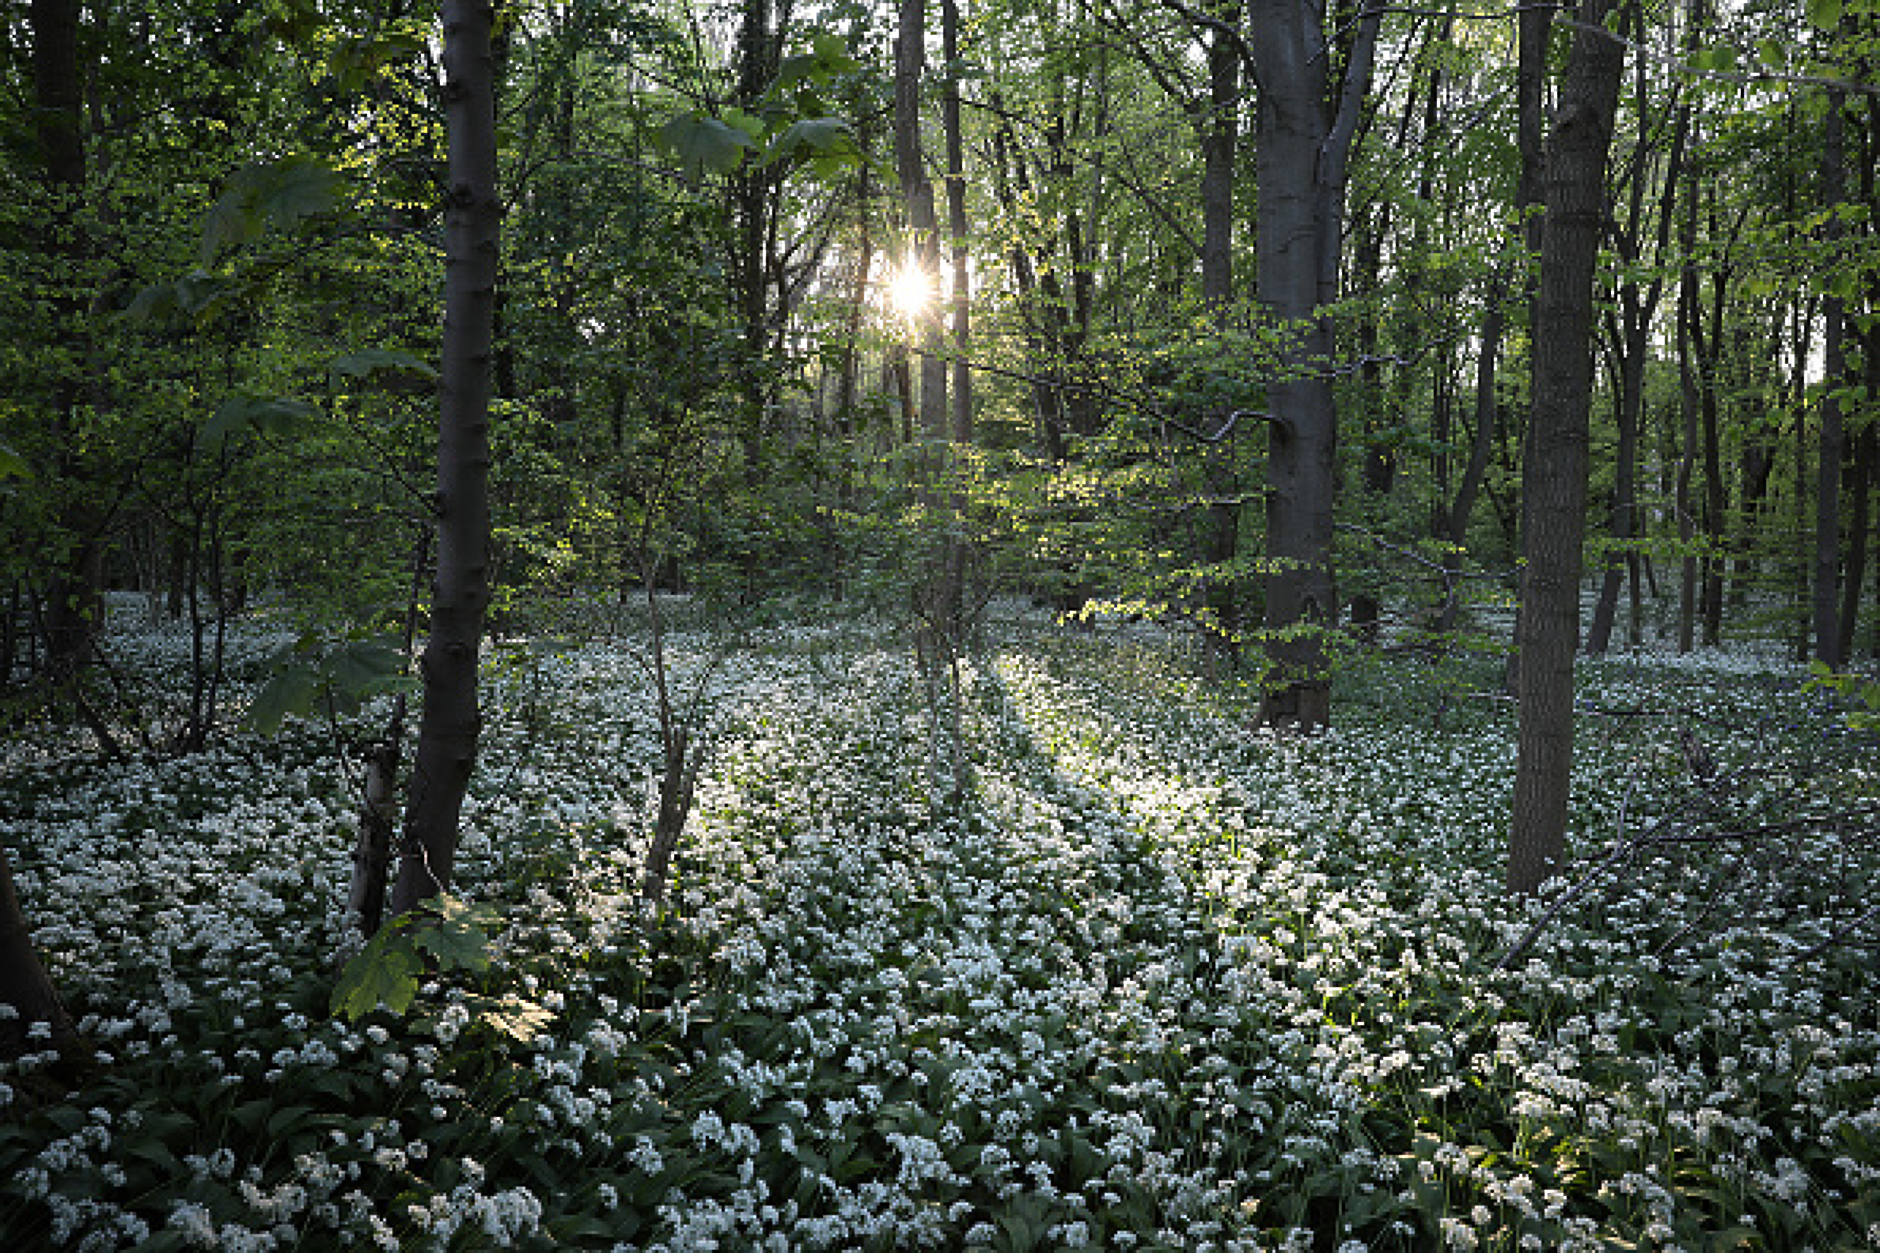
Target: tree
(1307, 120)
(447, 733)
(1554, 522)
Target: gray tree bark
(447, 734)
(1832, 437)
(1555, 525)
(1300, 173)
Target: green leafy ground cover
(1159, 982)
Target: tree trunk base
(1303, 708)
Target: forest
(991, 624)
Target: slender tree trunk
(962, 396)
(1555, 523)
(447, 733)
(1534, 28)
(939, 594)
(1859, 486)
(1716, 500)
(922, 219)
(1010, 182)
(1632, 339)
(1220, 139)
(1829, 647)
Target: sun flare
(910, 291)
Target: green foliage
(275, 416)
(444, 935)
(315, 676)
(278, 195)
(790, 124)
(1853, 689)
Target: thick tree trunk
(73, 608)
(1302, 155)
(1555, 524)
(447, 735)
(24, 983)
(71, 614)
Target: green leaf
(705, 143)
(370, 361)
(833, 51)
(288, 691)
(362, 668)
(12, 465)
(1773, 54)
(820, 137)
(1825, 14)
(455, 939)
(277, 416)
(379, 974)
(267, 194)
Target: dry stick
(1620, 849)
(1652, 840)
(1841, 933)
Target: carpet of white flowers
(1138, 977)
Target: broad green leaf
(269, 194)
(12, 465)
(455, 939)
(1773, 54)
(705, 143)
(362, 668)
(1824, 14)
(269, 416)
(289, 691)
(820, 137)
(380, 974)
(748, 124)
(833, 51)
(369, 361)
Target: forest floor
(1121, 973)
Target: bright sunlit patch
(910, 290)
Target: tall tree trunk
(72, 608)
(1220, 140)
(1860, 486)
(1300, 176)
(961, 430)
(1010, 182)
(939, 592)
(910, 61)
(71, 612)
(1534, 30)
(447, 734)
(1555, 519)
(1829, 647)
(1632, 340)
